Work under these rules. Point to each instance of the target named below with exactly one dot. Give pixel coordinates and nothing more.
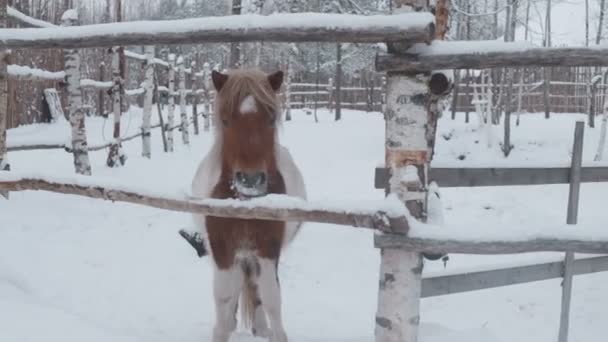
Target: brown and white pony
(246, 161)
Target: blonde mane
(239, 85)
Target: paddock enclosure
(417, 63)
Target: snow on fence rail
(488, 54)
(23, 18)
(28, 73)
(379, 215)
(284, 27)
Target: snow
(70, 14)
(439, 47)
(134, 55)
(76, 269)
(28, 72)
(238, 23)
(96, 84)
(12, 12)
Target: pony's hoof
(261, 332)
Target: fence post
(195, 96)
(4, 166)
(593, 93)
(76, 113)
(573, 197)
(101, 92)
(546, 92)
(116, 157)
(171, 100)
(330, 94)
(183, 115)
(409, 134)
(207, 95)
(338, 97)
(148, 97)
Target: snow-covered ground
(74, 269)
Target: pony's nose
(251, 183)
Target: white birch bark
(171, 114)
(195, 95)
(4, 166)
(397, 316)
(183, 115)
(599, 155)
(207, 96)
(288, 90)
(148, 96)
(75, 110)
(115, 155)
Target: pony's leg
(270, 293)
(260, 325)
(227, 285)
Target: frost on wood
(76, 112)
(182, 101)
(148, 97)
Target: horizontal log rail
(488, 54)
(281, 208)
(284, 27)
(467, 177)
(491, 247)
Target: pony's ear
(276, 80)
(219, 79)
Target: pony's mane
(243, 83)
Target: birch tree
(148, 97)
(4, 166)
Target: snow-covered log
(551, 241)
(284, 27)
(148, 97)
(27, 20)
(143, 58)
(171, 104)
(76, 113)
(183, 115)
(22, 72)
(488, 54)
(385, 215)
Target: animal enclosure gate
(415, 85)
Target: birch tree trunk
(288, 89)
(338, 87)
(171, 99)
(409, 137)
(182, 101)
(115, 157)
(76, 113)
(4, 166)
(148, 97)
(598, 37)
(207, 95)
(195, 95)
(235, 48)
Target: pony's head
(247, 112)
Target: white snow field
(74, 269)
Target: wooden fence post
(573, 199)
(76, 113)
(116, 158)
(547, 91)
(195, 96)
(593, 84)
(330, 94)
(338, 93)
(4, 166)
(182, 100)
(148, 97)
(207, 95)
(171, 99)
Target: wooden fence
(411, 117)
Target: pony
(246, 161)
